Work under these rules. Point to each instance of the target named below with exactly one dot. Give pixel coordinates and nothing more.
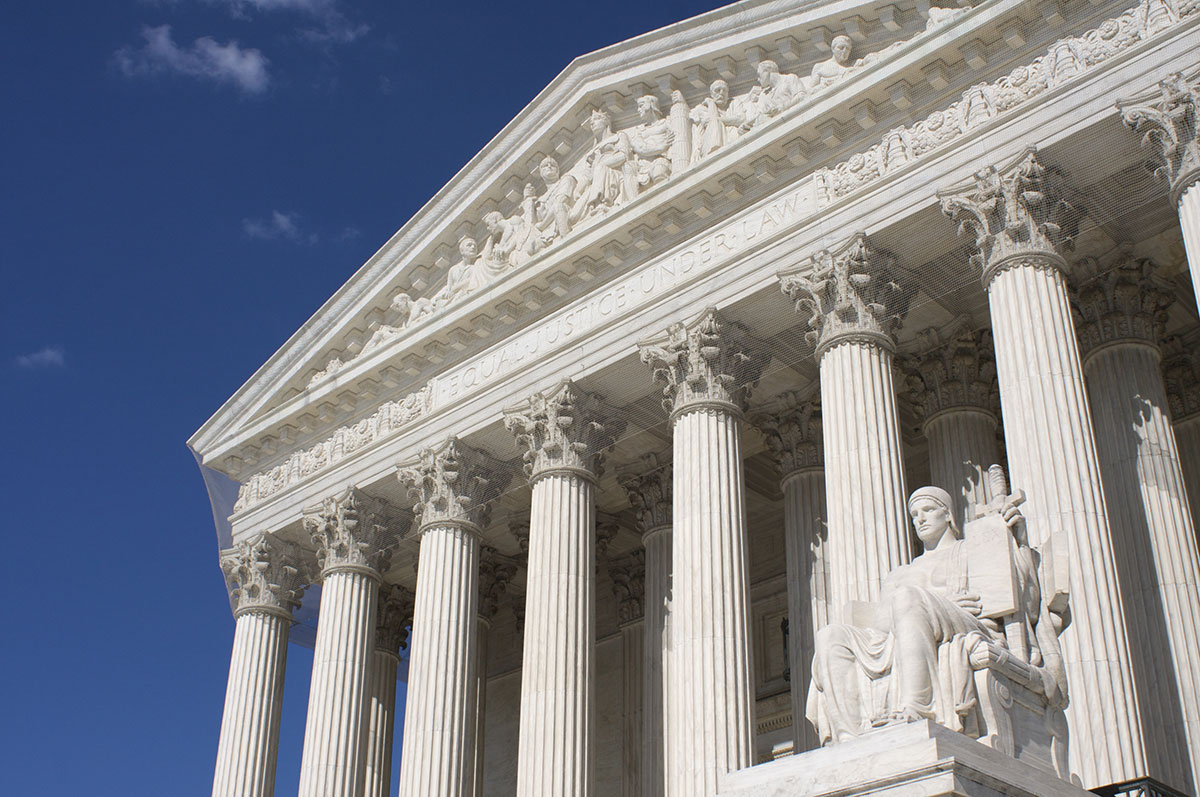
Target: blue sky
(185, 182)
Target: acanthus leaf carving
(791, 428)
(1015, 211)
(1167, 117)
(628, 576)
(650, 489)
(396, 605)
(564, 428)
(954, 373)
(352, 530)
(496, 572)
(453, 484)
(1181, 372)
(708, 360)
(1120, 300)
(266, 573)
(854, 292)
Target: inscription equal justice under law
(634, 291)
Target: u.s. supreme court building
(615, 446)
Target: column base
(919, 759)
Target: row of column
(1107, 508)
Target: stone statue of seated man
(958, 636)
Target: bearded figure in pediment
(715, 121)
(555, 212)
(651, 142)
(612, 174)
(778, 91)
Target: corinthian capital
(496, 571)
(1181, 372)
(1166, 117)
(628, 576)
(353, 531)
(564, 428)
(1121, 301)
(649, 489)
(395, 615)
(1018, 214)
(265, 574)
(453, 484)
(958, 373)
(850, 293)
(791, 427)
(707, 361)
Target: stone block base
(919, 759)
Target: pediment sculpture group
(962, 636)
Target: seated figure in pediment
(835, 68)
(961, 636)
(778, 91)
(510, 242)
(651, 143)
(465, 277)
(560, 208)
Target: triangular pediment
(630, 179)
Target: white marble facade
(621, 440)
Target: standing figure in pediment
(612, 178)
(780, 90)
(835, 68)
(556, 211)
(651, 142)
(713, 122)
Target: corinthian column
(452, 485)
(792, 431)
(1181, 368)
(1167, 117)
(266, 582)
(1122, 311)
(708, 367)
(564, 433)
(495, 573)
(1021, 221)
(954, 392)
(391, 634)
(628, 575)
(650, 495)
(853, 305)
(354, 543)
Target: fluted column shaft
(1051, 451)
(1155, 543)
(1189, 222)
(962, 446)
(655, 728)
(808, 603)
(333, 762)
(484, 627)
(440, 713)
(247, 750)
(864, 475)
(1187, 436)
(711, 674)
(557, 690)
(381, 720)
(633, 655)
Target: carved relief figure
(913, 653)
(559, 208)
(779, 91)
(510, 241)
(651, 142)
(834, 68)
(612, 180)
(711, 127)
(465, 277)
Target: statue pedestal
(919, 759)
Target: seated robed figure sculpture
(961, 636)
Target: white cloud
(280, 226)
(205, 59)
(45, 357)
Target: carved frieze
(266, 574)
(453, 484)
(954, 373)
(1120, 298)
(354, 531)
(394, 618)
(854, 292)
(564, 428)
(709, 360)
(791, 428)
(1167, 119)
(650, 491)
(1016, 212)
(628, 576)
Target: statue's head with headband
(931, 526)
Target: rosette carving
(353, 530)
(1016, 212)
(709, 360)
(650, 492)
(1122, 301)
(1166, 117)
(628, 576)
(791, 429)
(453, 484)
(265, 574)
(851, 293)
(564, 428)
(953, 374)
